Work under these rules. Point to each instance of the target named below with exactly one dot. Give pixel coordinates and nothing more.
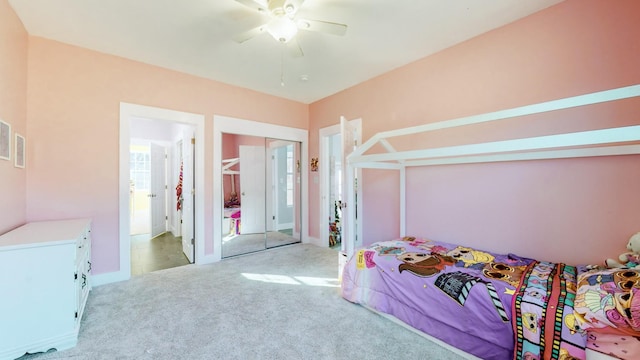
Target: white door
(157, 194)
(252, 189)
(188, 238)
(349, 189)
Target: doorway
(160, 212)
(166, 128)
(332, 184)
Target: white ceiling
(195, 36)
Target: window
(140, 168)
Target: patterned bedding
(465, 297)
(607, 306)
(544, 319)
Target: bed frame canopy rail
(604, 142)
(227, 164)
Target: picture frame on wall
(20, 151)
(5, 140)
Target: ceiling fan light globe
(282, 29)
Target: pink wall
(578, 46)
(73, 121)
(569, 210)
(13, 110)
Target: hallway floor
(162, 252)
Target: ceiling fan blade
(250, 34)
(258, 5)
(322, 26)
(294, 48)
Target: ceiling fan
(284, 24)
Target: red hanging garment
(179, 189)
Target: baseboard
(207, 259)
(284, 226)
(108, 278)
(313, 241)
(117, 276)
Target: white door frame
(323, 173)
(127, 113)
(225, 124)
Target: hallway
(162, 252)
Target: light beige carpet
(276, 304)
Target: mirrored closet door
(261, 190)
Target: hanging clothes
(179, 190)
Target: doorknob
(243, 193)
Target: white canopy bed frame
(378, 153)
(605, 142)
(226, 170)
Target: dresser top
(37, 233)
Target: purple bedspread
(459, 295)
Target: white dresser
(44, 283)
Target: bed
(232, 220)
(471, 299)
(494, 306)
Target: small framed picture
(5, 141)
(20, 155)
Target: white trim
(225, 124)
(352, 233)
(106, 278)
(316, 242)
(127, 112)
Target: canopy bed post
(403, 201)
